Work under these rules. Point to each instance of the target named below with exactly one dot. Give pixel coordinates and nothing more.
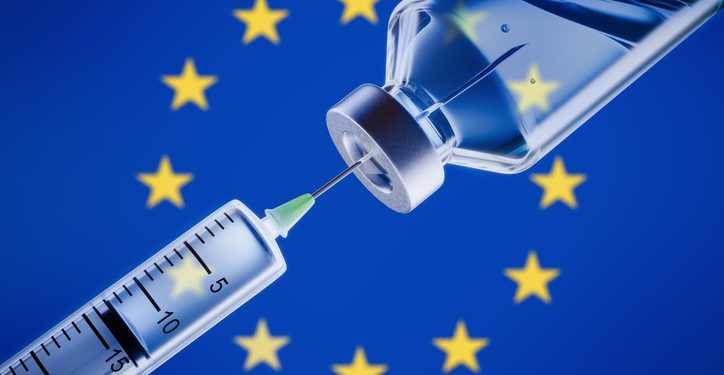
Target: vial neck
(430, 118)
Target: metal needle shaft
(340, 176)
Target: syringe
(174, 297)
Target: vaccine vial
(496, 84)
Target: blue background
(83, 111)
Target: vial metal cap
(405, 168)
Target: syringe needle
(323, 189)
(281, 219)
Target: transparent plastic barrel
(164, 304)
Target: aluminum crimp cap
(405, 168)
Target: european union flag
(125, 123)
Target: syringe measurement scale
(142, 300)
(141, 321)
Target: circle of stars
(531, 92)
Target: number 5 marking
(218, 285)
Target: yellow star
(261, 21)
(262, 347)
(533, 91)
(460, 349)
(464, 21)
(359, 366)
(165, 184)
(532, 280)
(356, 8)
(189, 86)
(187, 276)
(558, 185)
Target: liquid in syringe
(141, 321)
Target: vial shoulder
(491, 162)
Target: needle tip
(341, 175)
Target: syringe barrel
(164, 304)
